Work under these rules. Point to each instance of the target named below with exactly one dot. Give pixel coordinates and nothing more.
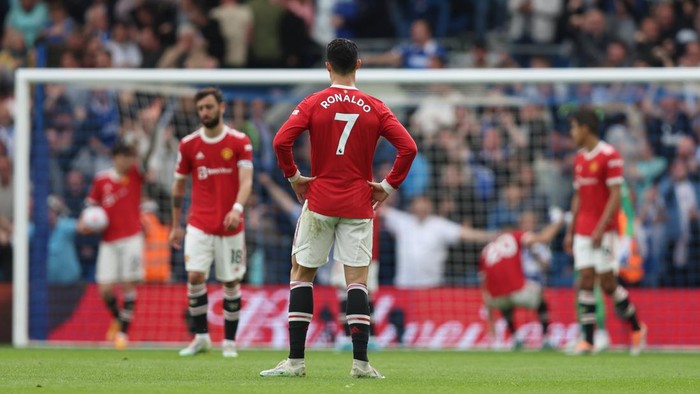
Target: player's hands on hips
(232, 219)
(301, 186)
(176, 236)
(378, 194)
(569, 243)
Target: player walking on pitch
(220, 161)
(344, 125)
(592, 234)
(120, 255)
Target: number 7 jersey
(344, 126)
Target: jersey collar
(593, 152)
(214, 140)
(335, 85)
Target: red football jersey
(121, 199)
(344, 125)
(594, 172)
(213, 163)
(501, 264)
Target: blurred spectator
(649, 45)
(691, 55)
(208, 28)
(591, 40)
(124, 52)
(667, 126)
(265, 47)
(422, 242)
(156, 251)
(616, 55)
(97, 23)
(260, 132)
(482, 12)
(6, 218)
(456, 199)
(478, 56)
(508, 208)
(159, 16)
(7, 131)
(28, 17)
(686, 152)
(644, 170)
(533, 21)
(495, 155)
(298, 48)
(187, 52)
(59, 27)
(622, 22)
(236, 23)
(415, 54)
(150, 46)
(436, 110)
(435, 13)
(652, 216)
(14, 52)
(362, 19)
(680, 200)
(62, 264)
(74, 193)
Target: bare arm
(471, 234)
(574, 213)
(611, 207)
(178, 194)
(245, 186)
(546, 235)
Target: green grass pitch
(40, 370)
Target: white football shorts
(227, 253)
(529, 296)
(120, 261)
(316, 233)
(603, 259)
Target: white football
(95, 218)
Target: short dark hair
(586, 116)
(341, 53)
(121, 148)
(210, 91)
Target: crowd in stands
(487, 153)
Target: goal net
(494, 153)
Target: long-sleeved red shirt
(344, 125)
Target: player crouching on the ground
(503, 280)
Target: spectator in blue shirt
(420, 53)
(27, 16)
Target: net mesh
(487, 153)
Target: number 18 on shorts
(226, 252)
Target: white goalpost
(26, 79)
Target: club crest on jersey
(593, 167)
(227, 153)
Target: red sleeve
(297, 123)
(406, 148)
(95, 194)
(184, 166)
(614, 169)
(245, 152)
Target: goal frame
(25, 78)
